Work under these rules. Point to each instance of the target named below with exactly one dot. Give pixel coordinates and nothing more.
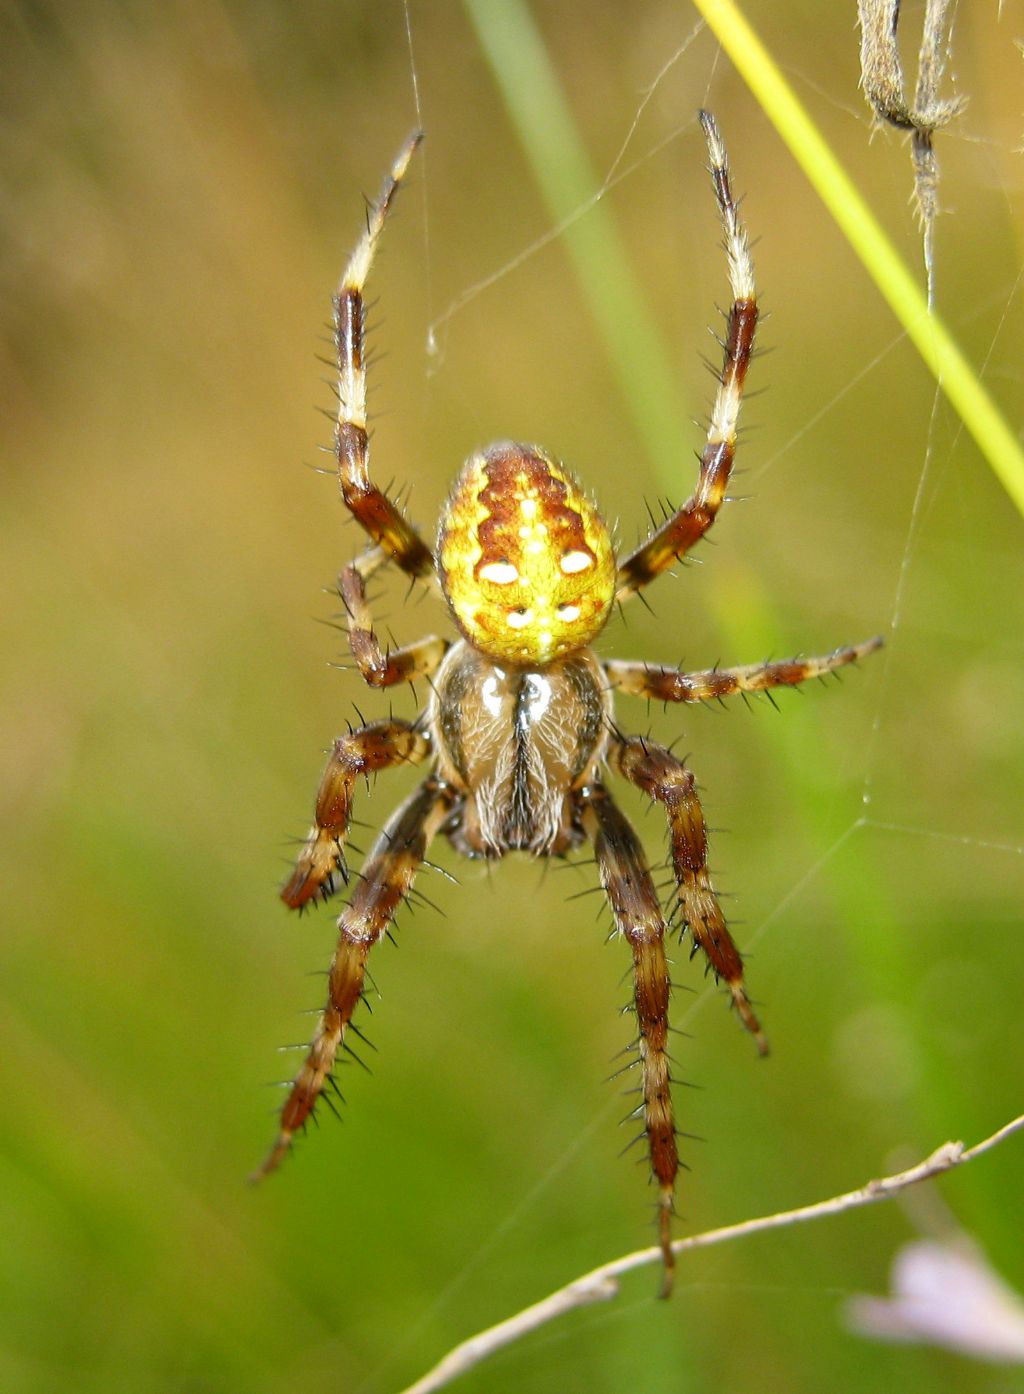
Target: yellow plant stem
(933, 341)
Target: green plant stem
(544, 124)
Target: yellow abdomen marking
(525, 559)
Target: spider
(518, 730)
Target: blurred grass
(181, 185)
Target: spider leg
(372, 509)
(626, 878)
(380, 667)
(386, 880)
(663, 777)
(671, 685)
(362, 752)
(668, 543)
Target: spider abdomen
(516, 742)
(525, 559)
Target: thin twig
(601, 1284)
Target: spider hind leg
(379, 515)
(675, 537)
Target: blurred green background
(182, 184)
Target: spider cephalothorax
(518, 730)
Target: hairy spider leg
(627, 881)
(667, 780)
(688, 525)
(371, 508)
(386, 880)
(672, 685)
(382, 667)
(362, 752)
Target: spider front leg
(367, 750)
(379, 667)
(664, 778)
(688, 525)
(362, 752)
(386, 880)
(671, 685)
(371, 508)
(626, 878)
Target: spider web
(184, 186)
(985, 844)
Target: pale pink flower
(945, 1295)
